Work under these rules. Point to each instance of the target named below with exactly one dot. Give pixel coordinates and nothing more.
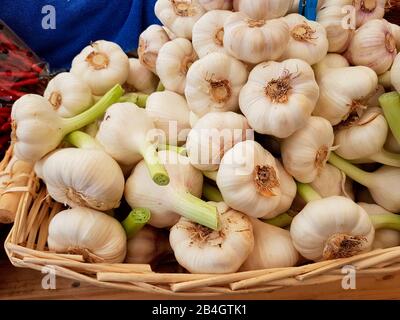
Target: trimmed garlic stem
(135, 221)
(390, 103)
(154, 165)
(386, 221)
(197, 210)
(281, 221)
(307, 192)
(82, 140)
(178, 150)
(387, 158)
(139, 99)
(212, 175)
(95, 112)
(211, 193)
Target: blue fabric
(78, 22)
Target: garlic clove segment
(170, 113)
(255, 41)
(305, 153)
(249, 180)
(208, 32)
(373, 46)
(212, 5)
(140, 79)
(332, 228)
(273, 248)
(308, 40)
(68, 94)
(263, 9)
(212, 136)
(101, 65)
(395, 73)
(69, 230)
(173, 62)
(179, 15)
(331, 60)
(279, 97)
(213, 84)
(202, 250)
(345, 91)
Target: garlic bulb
(126, 135)
(384, 238)
(249, 180)
(391, 144)
(255, 41)
(101, 65)
(193, 119)
(179, 15)
(263, 9)
(396, 34)
(332, 228)
(68, 94)
(345, 91)
(331, 61)
(146, 246)
(93, 234)
(374, 100)
(210, 5)
(213, 84)
(395, 73)
(201, 250)
(140, 78)
(179, 197)
(305, 153)
(212, 136)
(279, 98)
(308, 40)
(273, 248)
(170, 113)
(368, 10)
(79, 177)
(173, 62)
(208, 32)
(151, 41)
(373, 46)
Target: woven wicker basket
(26, 247)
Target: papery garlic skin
(213, 84)
(101, 65)
(273, 248)
(93, 234)
(331, 61)
(249, 180)
(68, 94)
(321, 228)
(255, 41)
(210, 5)
(345, 91)
(395, 73)
(362, 137)
(279, 98)
(263, 9)
(305, 153)
(391, 144)
(373, 46)
(82, 177)
(212, 136)
(201, 250)
(170, 113)
(179, 15)
(367, 10)
(208, 32)
(396, 34)
(140, 79)
(382, 180)
(151, 41)
(308, 40)
(173, 62)
(384, 238)
(142, 192)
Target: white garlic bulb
(249, 180)
(82, 178)
(213, 84)
(345, 91)
(208, 32)
(212, 136)
(140, 79)
(173, 62)
(255, 41)
(308, 40)
(391, 143)
(279, 98)
(331, 228)
(368, 10)
(211, 5)
(263, 9)
(305, 153)
(179, 15)
(68, 94)
(331, 60)
(373, 46)
(151, 41)
(273, 248)
(396, 34)
(395, 73)
(101, 65)
(87, 232)
(201, 250)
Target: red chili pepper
(27, 82)
(7, 42)
(11, 92)
(18, 74)
(6, 127)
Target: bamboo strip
(44, 227)
(152, 288)
(149, 277)
(371, 262)
(371, 271)
(33, 232)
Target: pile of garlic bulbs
(243, 130)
